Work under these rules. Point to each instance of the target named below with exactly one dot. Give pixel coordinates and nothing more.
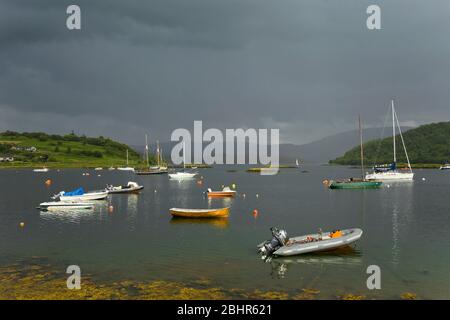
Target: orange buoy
(255, 213)
(200, 182)
(110, 209)
(48, 182)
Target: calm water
(406, 230)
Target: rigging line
(381, 137)
(403, 141)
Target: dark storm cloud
(307, 67)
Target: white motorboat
(58, 205)
(445, 167)
(131, 187)
(79, 195)
(41, 170)
(391, 172)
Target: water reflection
(344, 256)
(221, 223)
(220, 202)
(67, 215)
(398, 203)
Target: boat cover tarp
(76, 192)
(385, 168)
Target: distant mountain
(320, 151)
(427, 144)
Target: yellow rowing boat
(200, 213)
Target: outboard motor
(279, 239)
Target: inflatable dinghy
(281, 245)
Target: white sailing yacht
(127, 168)
(183, 175)
(391, 172)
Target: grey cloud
(307, 66)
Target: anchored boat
(356, 183)
(226, 192)
(200, 213)
(183, 175)
(390, 172)
(281, 245)
(445, 167)
(79, 195)
(131, 187)
(127, 168)
(353, 183)
(57, 205)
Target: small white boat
(226, 192)
(111, 168)
(79, 195)
(98, 169)
(41, 170)
(131, 187)
(57, 205)
(127, 168)
(281, 245)
(445, 167)
(181, 175)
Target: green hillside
(427, 144)
(39, 149)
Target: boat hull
(355, 185)
(57, 205)
(126, 190)
(181, 176)
(200, 213)
(221, 194)
(391, 176)
(150, 172)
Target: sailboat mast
(146, 151)
(184, 155)
(393, 130)
(127, 157)
(361, 147)
(158, 152)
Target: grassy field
(68, 151)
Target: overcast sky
(305, 67)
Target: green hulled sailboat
(356, 183)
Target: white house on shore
(6, 159)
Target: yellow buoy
(22, 224)
(233, 186)
(257, 195)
